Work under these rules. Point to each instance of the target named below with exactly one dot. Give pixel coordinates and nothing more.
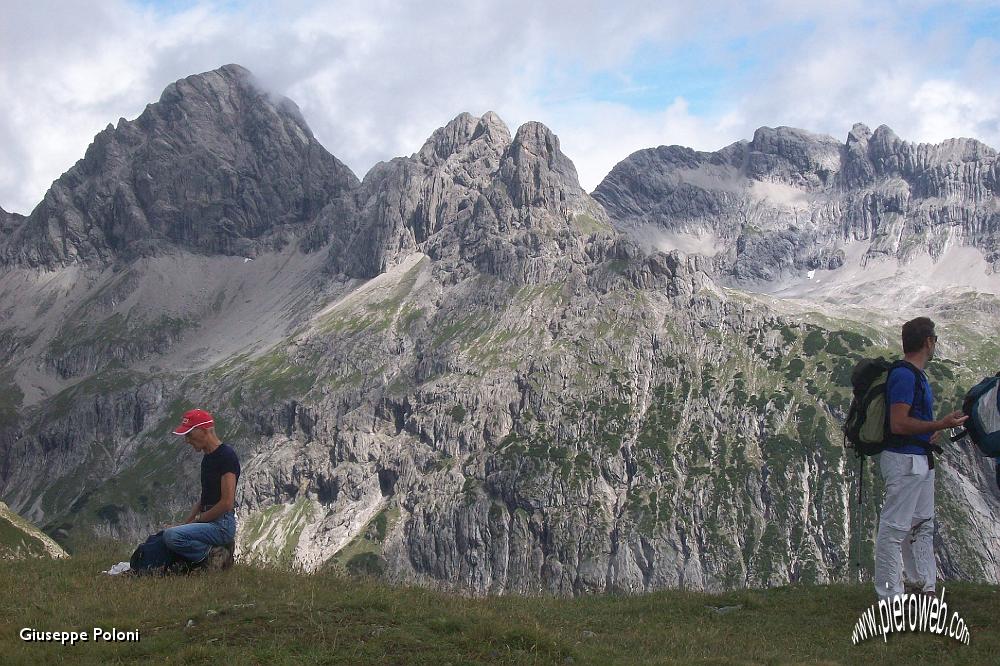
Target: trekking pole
(861, 512)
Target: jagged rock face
(470, 380)
(214, 167)
(792, 156)
(472, 197)
(406, 201)
(790, 201)
(9, 225)
(8, 221)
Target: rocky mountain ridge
(789, 201)
(456, 371)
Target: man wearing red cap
(208, 534)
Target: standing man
(209, 533)
(906, 525)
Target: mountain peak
(884, 135)
(224, 92)
(770, 139)
(464, 130)
(536, 168)
(535, 134)
(794, 156)
(493, 122)
(214, 166)
(860, 133)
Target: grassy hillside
(19, 538)
(252, 615)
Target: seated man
(208, 535)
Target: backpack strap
(918, 394)
(918, 379)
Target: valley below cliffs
(464, 371)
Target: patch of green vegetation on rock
(273, 533)
(794, 369)
(86, 498)
(457, 413)
(588, 225)
(363, 555)
(813, 342)
(350, 380)
(659, 426)
(461, 329)
(278, 376)
(788, 335)
(118, 332)
(408, 317)
(494, 345)
(617, 266)
(843, 342)
(102, 383)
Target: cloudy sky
(374, 79)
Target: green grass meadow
(252, 615)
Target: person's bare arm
(225, 503)
(191, 516)
(901, 423)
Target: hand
(954, 419)
(935, 436)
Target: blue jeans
(194, 540)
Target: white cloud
(877, 69)
(597, 135)
(942, 109)
(374, 79)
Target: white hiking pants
(906, 525)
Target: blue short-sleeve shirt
(901, 388)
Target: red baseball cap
(195, 418)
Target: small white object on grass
(119, 568)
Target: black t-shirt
(213, 465)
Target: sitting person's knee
(171, 537)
